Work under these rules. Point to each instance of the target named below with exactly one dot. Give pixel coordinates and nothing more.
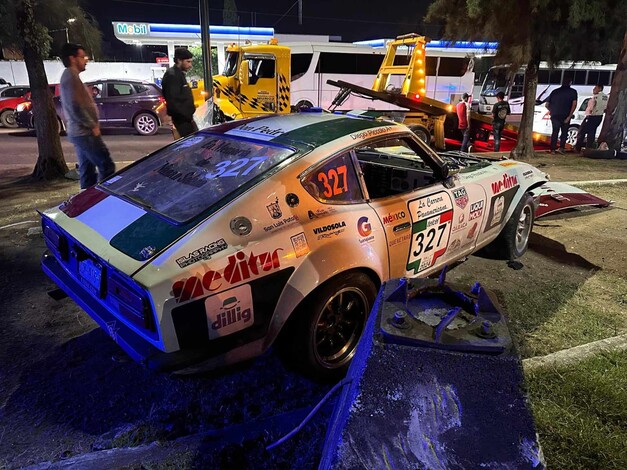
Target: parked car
(542, 120)
(206, 251)
(23, 114)
(121, 103)
(10, 97)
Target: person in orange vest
(463, 114)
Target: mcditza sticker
(229, 312)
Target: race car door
(421, 217)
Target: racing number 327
(331, 181)
(430, 236)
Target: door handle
(401, 227)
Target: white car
(205, 252)
(542, 120)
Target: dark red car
(10, 97)
(121, 103)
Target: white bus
(449, 73)
(500, 78)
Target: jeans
(92, 153)
(558, 126)
(466, 139)
(185, 128)
(588, 131)
(497, 128)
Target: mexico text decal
(239, 268)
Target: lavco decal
(238, 268)
(328, 228)
(229, 312)
(132, 29)
(203, 253)
(390, 218)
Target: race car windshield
(183, 180)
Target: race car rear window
(183, 180)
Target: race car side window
(391, 166)
(334, 181)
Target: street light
(67, 30)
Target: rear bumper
(135, 346)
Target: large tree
(26, 25)
(529, 31)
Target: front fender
(322, 264)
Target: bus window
(368, 64)
(333, 62)
(432, 64)
(604, 77)
(593, 77)
(453, 66)
(555, 77)
(580, 77)
(299, 65)
(518, 89)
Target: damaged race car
(275, 229)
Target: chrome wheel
(339, 326)
(146, 124)
(523, 228)
(571, 136)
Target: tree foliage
(197, 69)
(529, 31)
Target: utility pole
(300, 12)
(205, 38)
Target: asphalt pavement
(18, 147)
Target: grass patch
(581, 412)
(589, 312)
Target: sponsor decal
(299, 242)
(138, 186)
(396, 241)
(274, 209)
(112, 330)
(472, 231)
(506, 182)
(461, 197)
(507, 164)
(499, 206)
(239, 268)
(191, 178)
(320, 213)
(229, 312)
(147, 252)
(292, 200)
(401, 227)
(528, 174)
(429, 206)
(202, 254)
(476, 210)
(461, 223)
(365, 229)
(429, 241)
(371, 132)
(455, 246)
(287, 221)
(333, 181)
(261, 131)
(327, 231)
(393, 217)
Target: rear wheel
(7, 118)
(146, 124)
(322, 335)
(422, 133)
(571, 135)
(513, 241)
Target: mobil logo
(363, 227)
(239, 268)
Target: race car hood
(555, 197)
(117, 231)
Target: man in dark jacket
(561, 104)
(178, 94)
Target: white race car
(205, 252)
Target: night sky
(353, 20)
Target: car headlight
(23, 106)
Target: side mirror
(243, 72)
(448, 175)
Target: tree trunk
(524, 146)
(616, 111)
(50, 163)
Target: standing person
(463, 112)
(594, 116)
(561, 103)
(81, 115)
(178, 94)
(499, 113)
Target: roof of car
(126, 80)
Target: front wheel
(513, 240)
(323, 333)
(7, 118)
(146, 124)
(571, 135)
(422, 133)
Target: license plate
(91, 275)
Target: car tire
(597, 154)
(303, 104)
(321, 336)
(513, 240)
(7, 118)
(422, 133)
(146, 124)
(571, 135)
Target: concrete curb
(576, 354)
(595, 182)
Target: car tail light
(547, 116)
(161, 100)
(130, 301)
(55, 240)
(25, 106)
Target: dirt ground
(66, 389)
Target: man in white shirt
(594, 116)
